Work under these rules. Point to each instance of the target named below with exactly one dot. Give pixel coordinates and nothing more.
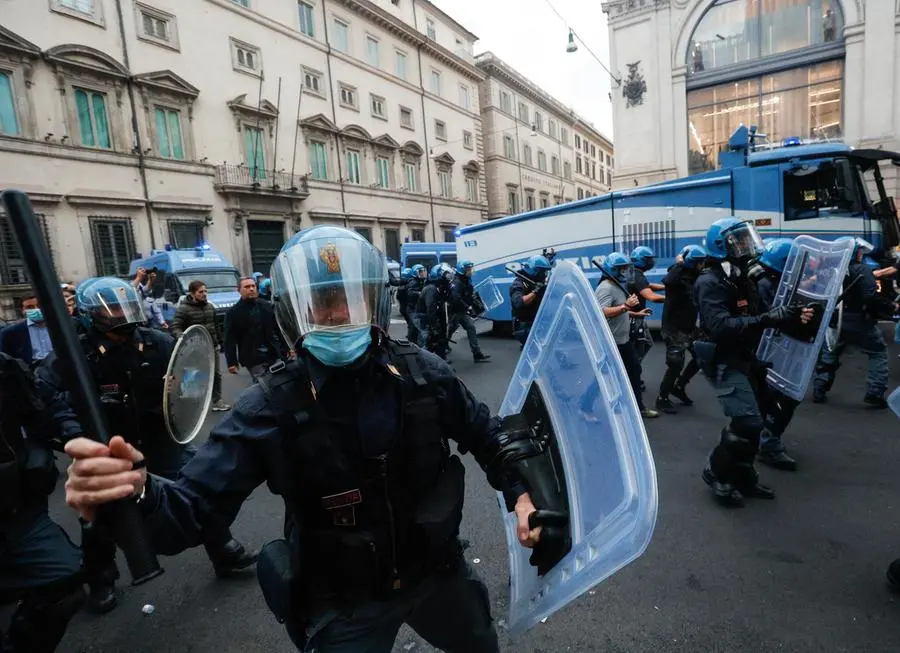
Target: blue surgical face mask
(338, 348)
(34, 315)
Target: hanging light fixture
(572, 46)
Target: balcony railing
(245, 177)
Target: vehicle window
(215, 280)
(421, 259)
(450, 259)
(830, 187)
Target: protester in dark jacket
(251, 335)
(196, 309)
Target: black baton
(123, 517)
(607, 275)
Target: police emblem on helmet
(331, 258)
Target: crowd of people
(352, 427)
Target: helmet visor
(110, 307)
(330, 283)
(743, 241)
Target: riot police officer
(40, 568)
(777, 409)
(860, 329)
(401, 296)
(679, 327)
(355, 435)
(526, 293)
(642, 260)
(128, 363)
(464, 303)
(732, 320)
(416, 332)
(432, 309)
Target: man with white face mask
(355, 436)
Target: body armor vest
(130, 384)
(369, 523)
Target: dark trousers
(217, 381)
(468, 324)
(738, 393)
(676, 374)
(633, 368)
(164, 459)
(40, 569)
(449, 609)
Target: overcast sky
(531, 38)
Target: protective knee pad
(40, 621)
(675, 357)
(741, 438)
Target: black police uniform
(432, 307)
(129, 380)
(731, 323)
(373, 498)
(524, 314)
(415, 332)
(679, 329)
(860, 329)
(462, 302)
(640, 333)
(40, 568)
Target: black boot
(481, 357)
(665, 405)
(102, 597)
(724, 493)
(679, 393)
(778, 460)
(875, 401)
(229, 557)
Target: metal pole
(296, 132)
(277, 120)
(256, 145)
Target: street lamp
(573, 47)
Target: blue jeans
(451, 610)
(867, 338)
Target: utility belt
(709, 356)
(638, 331)
(341, 568)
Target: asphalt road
(802, 573)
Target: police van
(176, 268)
(427, 254)
(824, 189)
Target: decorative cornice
(265, 109)
(166, 80)
(83, 57)
(410, 35)
(93, 199)
(320, 122)
(617, 9)
(178, 205)
(356, 132)
(12, 42)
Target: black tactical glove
(539, 287)
(780, 316)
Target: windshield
(427, 260)
(215, 280)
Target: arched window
(736, 31)
(777, 64)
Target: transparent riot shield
(571, 385)
(189, 384)
(489, 293)
(894, 401)
(813, 278)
